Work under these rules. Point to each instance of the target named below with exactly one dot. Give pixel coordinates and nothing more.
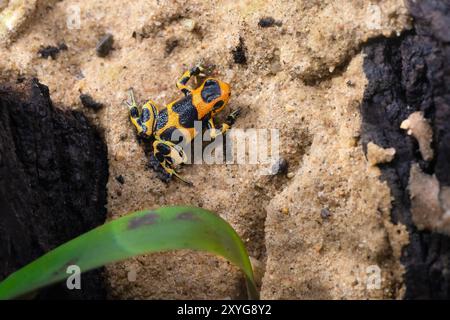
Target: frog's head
(216, 94)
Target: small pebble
(104, 46)
(189, 24)
(119, 156)
(267, 22)
(52, 51)
(290, 175)
(285, 210)
(280, 167)
(290, 108)
(325, 213)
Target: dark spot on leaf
(187, 216)
(148, 219)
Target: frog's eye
(210, 91)
(218, 105)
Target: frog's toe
(196, 70)
(162, 174)
(231, 119)
(153, 163)
(202, 70)
(236, 113)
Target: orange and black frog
(200, 104)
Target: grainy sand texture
(318, 231)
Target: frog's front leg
(231, 119)
(169, 156)
(182, 82)
(144, 121)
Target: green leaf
(167, 228)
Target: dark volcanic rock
(53, 175)
(240, 52)
(408, 74)
(267, 22)
(52, 51)
(105, 45)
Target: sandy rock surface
(322, 229)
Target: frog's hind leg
(155, 164)
(231, 119)
(144, 121)
(169, 156)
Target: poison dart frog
(199, 104)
